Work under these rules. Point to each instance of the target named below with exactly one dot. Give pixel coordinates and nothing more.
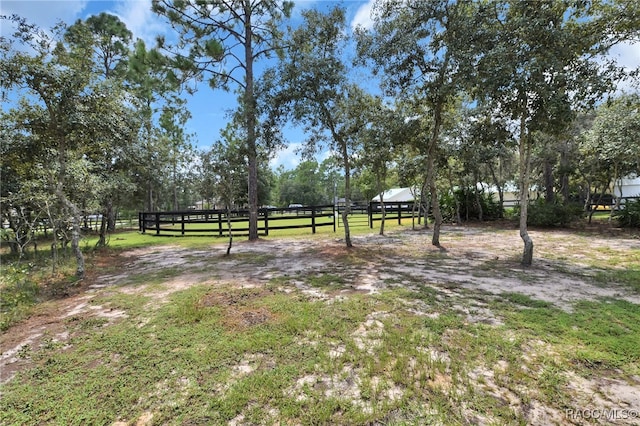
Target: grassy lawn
(283, 333)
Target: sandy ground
(473, 259)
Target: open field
(301, 330)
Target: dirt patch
(238, 307)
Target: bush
(17, 294)
(468, 206)
(629, 214)
(541, 213)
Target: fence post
(182, 224)
(141, 222)
(333, 216)
(399, 214)
(266, 222)
(370, 214)
(157, 223)
(313, 220)
(220, 224)
(413, 215)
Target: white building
(627, 187)
(394, 195)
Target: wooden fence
(394, 210)
(215, 222)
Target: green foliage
(546, 214)
(18, 292)
(466, 201)
(629, 214)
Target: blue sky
(209, 107)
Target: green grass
(629, 277)
(197, 359)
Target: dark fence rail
(393, 210)
(608, 202)
(216, 222)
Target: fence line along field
(219, 222)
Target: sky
(209, 107)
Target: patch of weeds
(155, 277)
(629, 277)
(256, 259)
(91, 323)
(444, 322)
(597, 335)
(551, 381)
(325, 281)
(134, 304)
(524, 300)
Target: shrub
(17, 294)
(629, 214)
(541, 213)
(468, 205)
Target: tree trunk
(525, 157)
(431, 176)
(250, 120)
(75, 243)
(76, 221)
(102, 238)
(435, 204)
(453, 194)
(549, 193)
(500, 190)
(382, 207)
(347, 194)
(384, 213)
(230, 232)
(564, 167)
(476, 195)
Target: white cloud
(287, 157)
(363, 17)
(44, 13)
(627, 54)
(140, 19)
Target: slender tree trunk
(500, 190)
(525, 160)
(230, 231)
(76, 223)
(435, 208)
(76, 214)
(564, 167)
(431, 176)
(453, 194)
(548, 181)
(476, 195)
(250, 120)
(111, 218)
(75, 242)
(424, 203)
(102, 238)
(379, 181)
(384, 213)
(347, 194)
